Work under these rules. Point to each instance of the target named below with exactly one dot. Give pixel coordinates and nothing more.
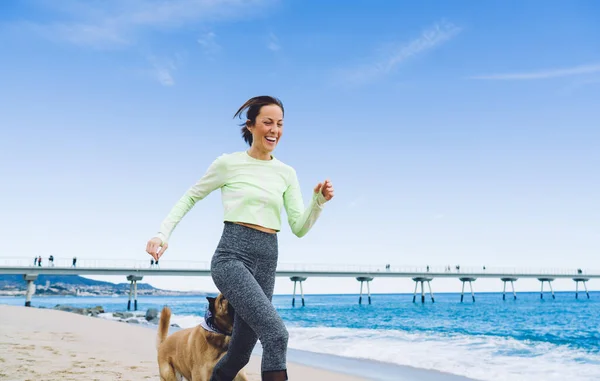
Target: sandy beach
(44, 344)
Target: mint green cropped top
(252, 191)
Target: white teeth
(270, 138)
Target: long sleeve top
(253, 191)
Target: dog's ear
(211, 303)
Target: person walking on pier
(255, 186)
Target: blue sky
(463, 133)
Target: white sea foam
(108, 316)
(480, 357)
(185, 321)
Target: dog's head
(222, 312)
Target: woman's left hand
(326, 188)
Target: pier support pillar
(511, 280)
(422, 280)
(135, 296)
(549, 280)
(362, 279)
(462, 294)
(582, 280)
(130, 294)
(133, 279)
(298, 279)
(30, 278)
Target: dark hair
(254, 105)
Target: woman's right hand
(156, 248)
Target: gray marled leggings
(243, 269)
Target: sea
(393, 338)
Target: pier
(135, 270)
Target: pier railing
(383, 269)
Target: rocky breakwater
(151, 316)
(93, 311)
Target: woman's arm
(299, 218)
(214, 178)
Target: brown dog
(192, 353)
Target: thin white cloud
(209, 44)
(543, 74)
(163, 70)
(273, 43)
(164, 76)
(428, 40)
(117, 23)
(99, 36)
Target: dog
(192, 353)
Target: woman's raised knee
(277, 338)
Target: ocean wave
(480, 357)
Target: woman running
(254, 187)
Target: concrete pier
(422, 281)
(298, 272)
(30, 278)
(549, 280)
(464, 280)
(511, 280)
(297, 279)
(582, 280)
(133, 290)
(363, 279)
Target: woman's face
(268, 128)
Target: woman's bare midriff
(257, 227)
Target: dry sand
(43, 344)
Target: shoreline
(28, 334)
(369, 369)
(54, 345)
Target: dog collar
(208, 323)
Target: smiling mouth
(271, 139)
